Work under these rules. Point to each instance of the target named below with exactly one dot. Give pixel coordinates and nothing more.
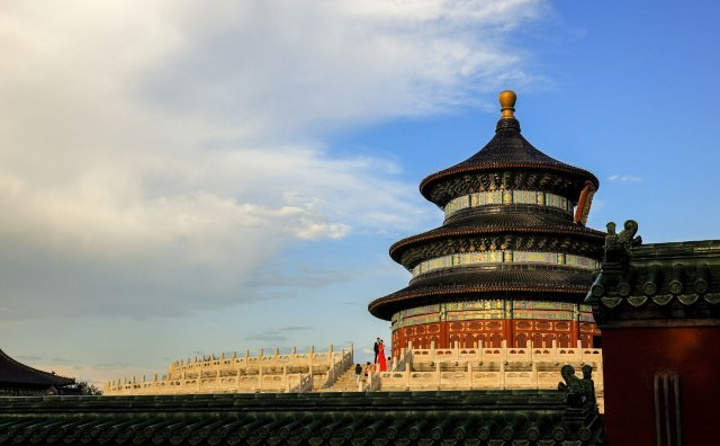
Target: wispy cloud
(624, 179)
(153, 154)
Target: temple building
(511, 262)
(512, 265)
(495, 302)
(19, 379)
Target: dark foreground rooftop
(512, 418)
(18, 378)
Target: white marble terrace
(274, 373)
(479, 368)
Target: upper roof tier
(507, 152)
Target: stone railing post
(260, 377)
(502, 374)
(406, 375)
(532, 353)
(293, 353)
(470, 375)
(311, 355)
(331, 358)
(287, 379)
(438, 377)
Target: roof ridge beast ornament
(616, 264)
(617, 246)
(581, 392)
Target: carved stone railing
(341, 361)
(311, 359)
(484, 369)
(263, 373)
(218, 384)
(304, 384)
(475, 379)
(403, 362)
(371, 383)
(530, 354)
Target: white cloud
(624, 179)
(154, 155)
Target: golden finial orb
(507, 102)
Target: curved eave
(438, 234)
(385, 307)
(15, 372)
(429, 182)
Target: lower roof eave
(384, 307)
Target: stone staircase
(346, 382)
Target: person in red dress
(382, 362)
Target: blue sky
(177, 179)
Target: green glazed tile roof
(385, 418)
(657, 284)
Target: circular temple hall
(513, 259)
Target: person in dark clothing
(358, 373)
(376, 349)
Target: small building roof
(16, 373)
(660, 284)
